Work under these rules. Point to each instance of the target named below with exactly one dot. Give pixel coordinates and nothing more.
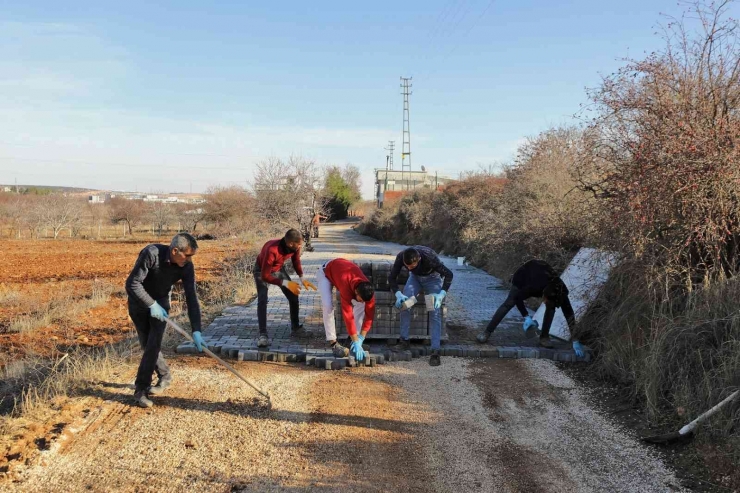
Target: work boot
(545, 342)
(483, 336)
(339, 351)
(434, 358)
(162, 385)
(404, 344)
(263, 341)
(142, 400)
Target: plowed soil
(34, 273)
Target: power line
(475, 22)
(439, 29)
(439, 23)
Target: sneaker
(483, 336)
(434, 358)
(142, 400)
(404, 344)
(162, 385)
(545, 342)
(339, 351)
(263, 341)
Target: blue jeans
(431, 284)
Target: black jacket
(152, 279)
(429, 263)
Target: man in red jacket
(270, 269)
(358, 304)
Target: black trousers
(514, 299)
(262, 287)
(150, 332)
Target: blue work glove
(400, 298)
(579, 349)
(356, 350)
(198, 340)
(158, 312)
(529, 323)
(438, 299)
(361, 338)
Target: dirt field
(39, 277)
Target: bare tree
(34, 217)
(662, 155)
(15, 214)
(96, 213)
(289, 192)
(229, 209)
(60, 212)
(190, 216)
(160, 214)
(351, 176)
(128, 212)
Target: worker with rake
(357, 304)
(149, 286)
(270, 269)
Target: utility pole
(390, 148)
(406, 148)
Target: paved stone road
(472, 300)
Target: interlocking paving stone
(472, 300)
(507, 353)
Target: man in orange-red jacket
(270, 269)
(357, 304)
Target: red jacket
(272, 257)
(345, 276)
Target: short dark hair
(365, 290)
(555, 291)
(183, 241)
(411, 255)
(293, 236)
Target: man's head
(364, 292)
(293, 240)
(554, 292)
(411, 258)
(182, 248)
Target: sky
(182, 96)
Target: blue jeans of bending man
(431, 284)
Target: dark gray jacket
(152, 279)
(429, 263)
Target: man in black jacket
(535, 278)
(149, 286)
(427, 273)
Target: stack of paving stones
(387, 323)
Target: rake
(224, 363)
(687, 431)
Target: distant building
(7, 189)
(99, 198)
(393, 183)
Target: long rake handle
(691, 426)
(224, 363)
